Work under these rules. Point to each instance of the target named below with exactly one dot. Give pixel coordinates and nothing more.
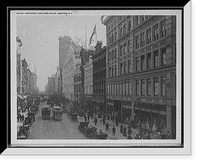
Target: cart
(23, 132)
(101, 135)
(83, 126)
(74, 116)
(91, 132)
(46, 112)
(57, 113)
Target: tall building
(19, 66)
(58, 81)
(24, 77)
(77, 83)
(69, 56)
(51, 85)
(88, 80)
(99, 77)
(141, 69)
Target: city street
(66, 129)
(51, 129)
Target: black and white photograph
(97, 78)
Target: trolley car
(57, 113)
(46, 112)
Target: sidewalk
(117, 135)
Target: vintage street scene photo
(96, 76)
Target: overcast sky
(39, 35)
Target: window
(143, 87)
(121, 29)
(129, 25)
(137, 87)
(149, 87)
(156, 58)
(162, 86)
(109, 57)
(142, 18)
(155, 32)
(142, 62)
(115, 70)
(124, 88)
(124, 29)
(163, 28)
(137, 20)
(129, 46)
(129, 65)
(121, 68)
(127, 90)
(156, 86)
(121, 50)
(115, 35)
(142, 39)
(137, 64)
(125, 48)
(148, 60)
(137, 42)
(163, 56)
(112, 56)
(125, 67)
(148, 34)
(120, 88)
(110, 71)
(115, 53)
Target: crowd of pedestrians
(112, 125)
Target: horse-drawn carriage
(23, 132)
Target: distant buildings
(26, 80)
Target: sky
(40, 33)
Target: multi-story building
(141, 69)
(19, 66)
(70, 59)
(77, 83)
(51, 85)
(85, 57)
(24, 77)
(88, 80)
(58, 81)
(99, 77)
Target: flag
(93, 33)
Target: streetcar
(46, 112)
(57, 113)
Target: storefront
(152, 117)
(126, 111)
(99, 103)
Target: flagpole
(86, 36)
(96, 34)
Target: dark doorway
(117, 109)
(173, 122)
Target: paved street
(66, 129)
(50, 129)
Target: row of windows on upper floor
(150, 60)
(146, 37)
(155, 86)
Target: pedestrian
(113, 130)
(121, 128)
(124, 132)
(107, 126)
(85, 118)
(129, 131)
(104, 121)
(88, 116)
(116, 121)
(95, 121)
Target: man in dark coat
(107, 126)
(121, 128)
(114, 130)
(95, 121)
(124, 132)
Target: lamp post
(138, 102)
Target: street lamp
(138, 102)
